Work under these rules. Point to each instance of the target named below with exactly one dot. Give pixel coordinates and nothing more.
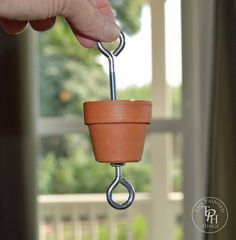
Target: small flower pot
(117, 129)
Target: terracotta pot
(117, 129)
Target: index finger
(105, 7)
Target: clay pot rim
(121, 101)
(117, 111)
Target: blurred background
(178, 54)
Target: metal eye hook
(110, 56)
(118, 179)
(126, 184)
(121, 45)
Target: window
(70, 75)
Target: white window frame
(166, 205)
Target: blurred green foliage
(179, 230)
(176, 99)
(136, 93)
(140, 228)
(77, 171)
(69, 73)
(128, 14)
(176, 172)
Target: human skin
(90, 20)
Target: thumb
(87, 20)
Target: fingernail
(110, 31)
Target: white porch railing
(89, 217)
(84, 216)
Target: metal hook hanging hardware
(118, 179)
(118, 167)
(110, 56)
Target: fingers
(43, 25)
(13, 27)
(92, 20)
(104, 7)
(87, 42)
(83, 40)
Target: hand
(90, 20)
